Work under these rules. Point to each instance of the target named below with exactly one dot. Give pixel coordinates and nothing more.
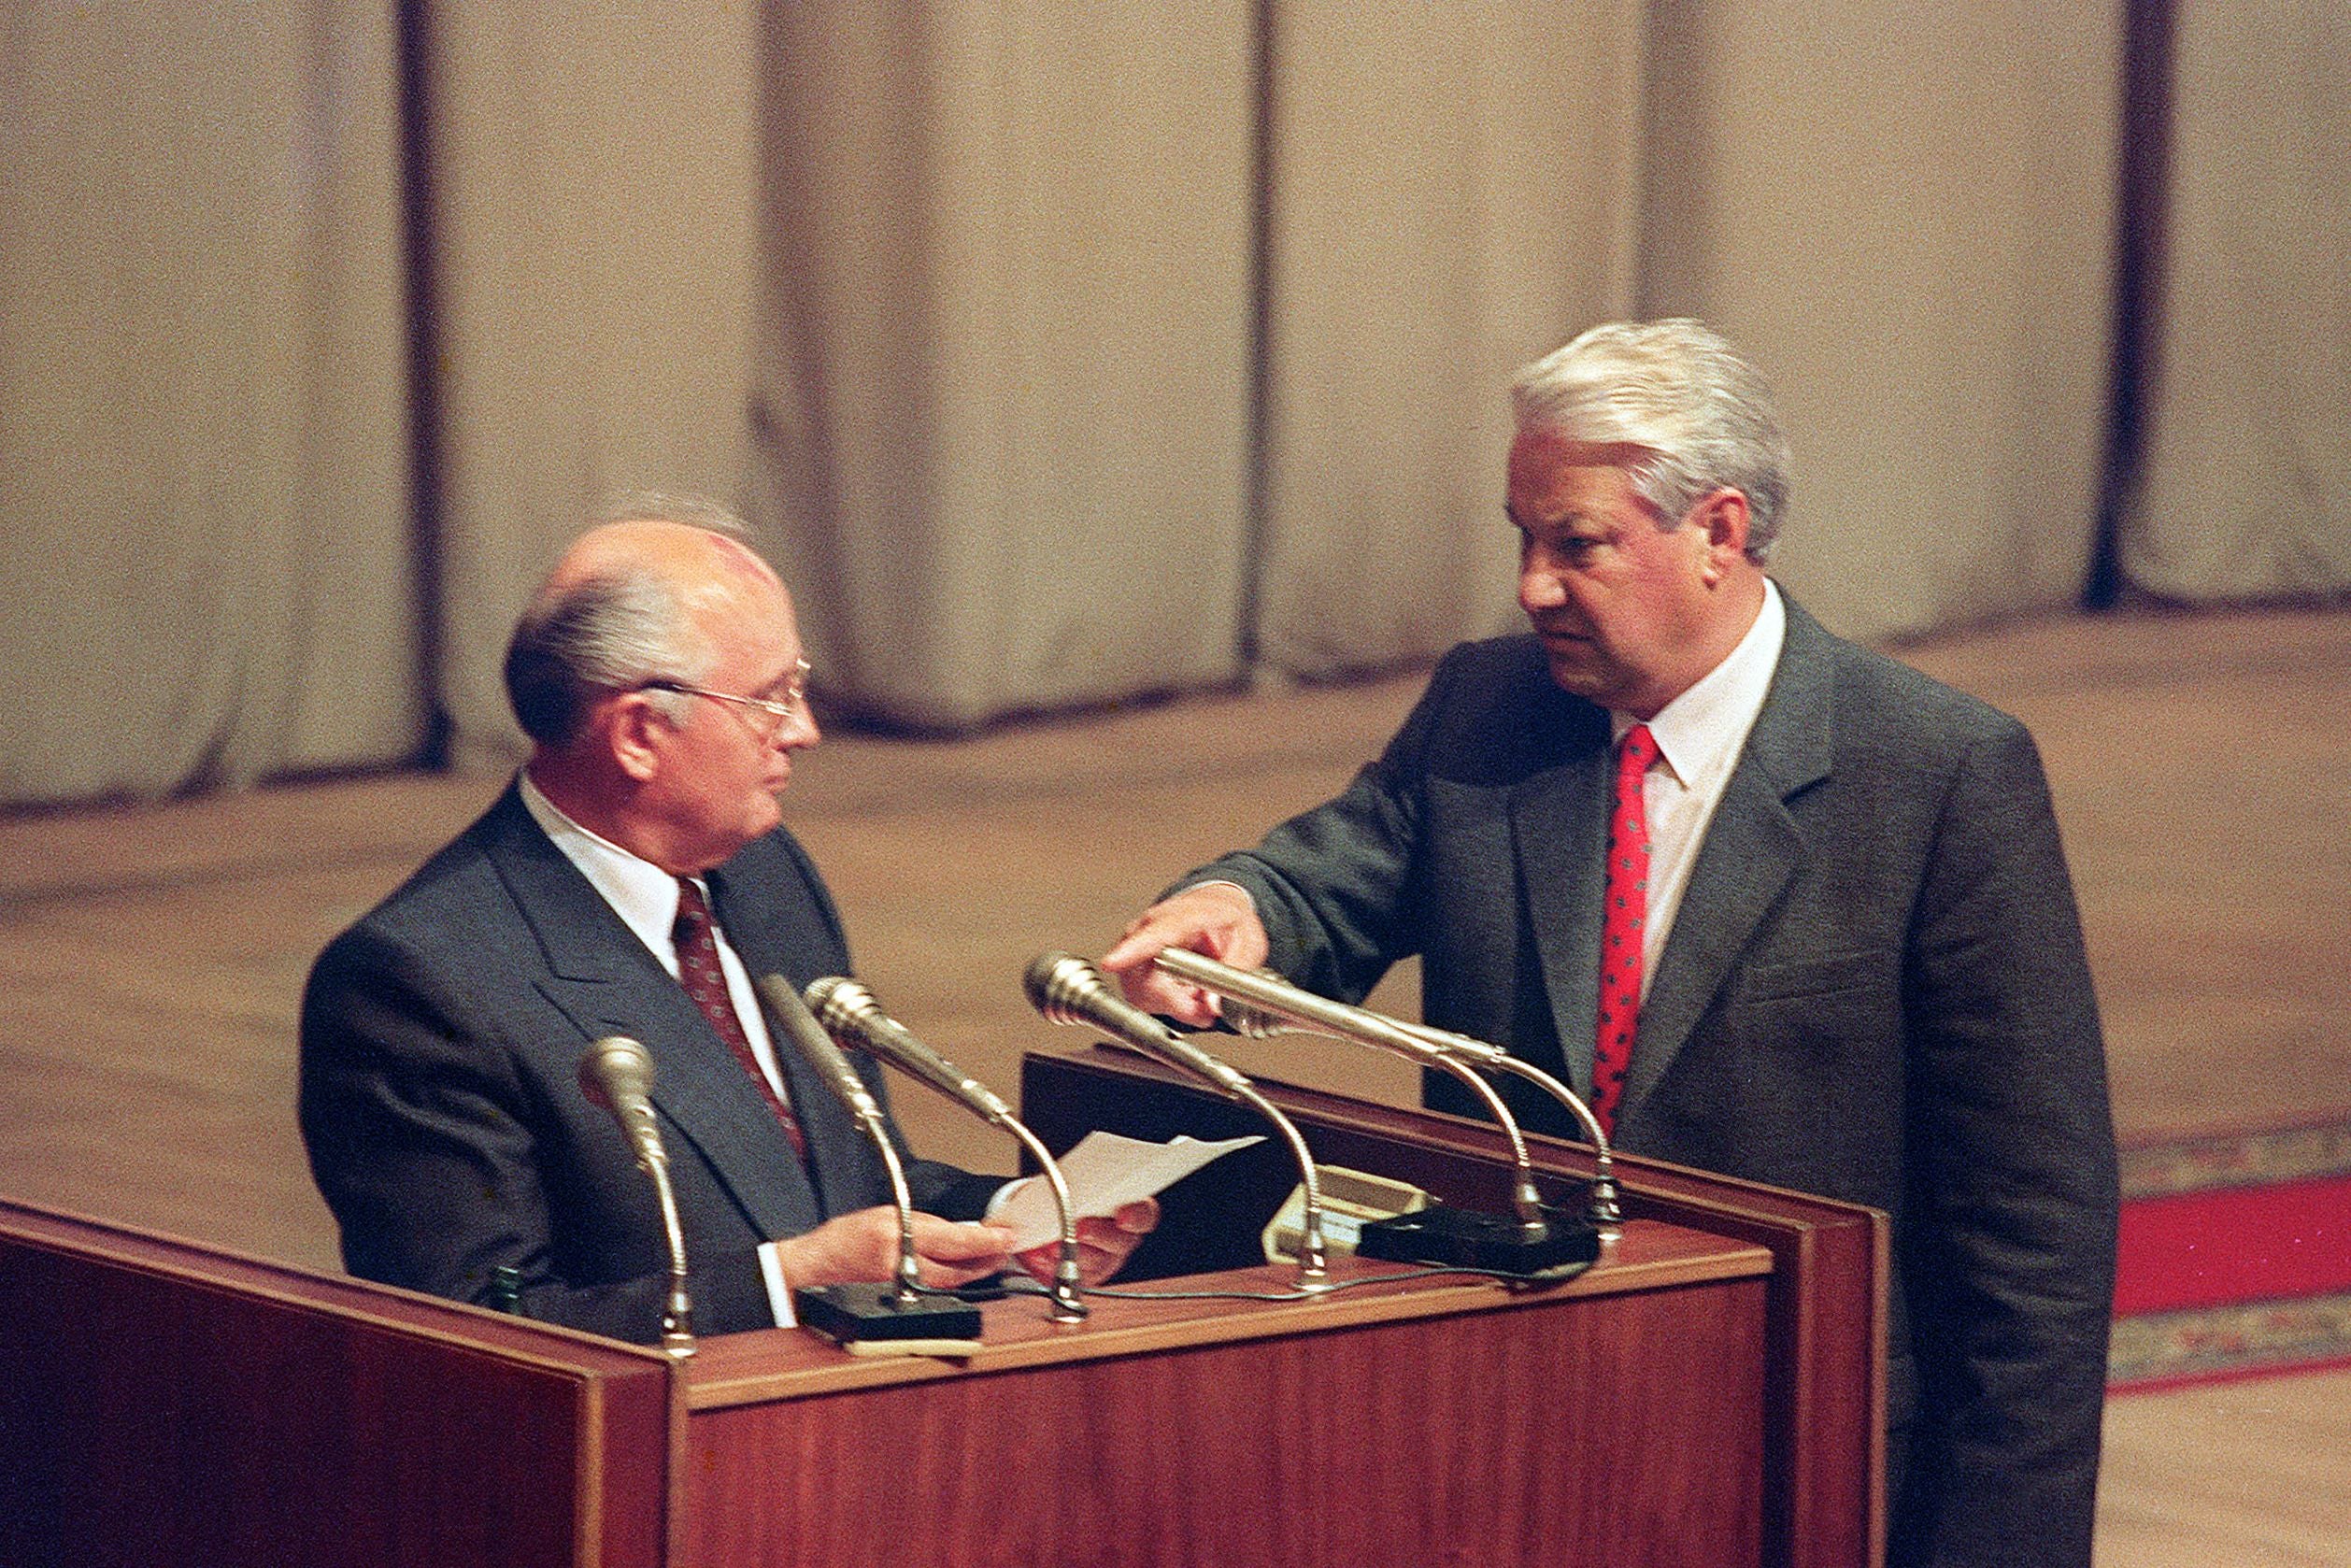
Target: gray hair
(1701, 416)
(611, 631)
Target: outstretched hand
(1216, 918)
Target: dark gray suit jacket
(441, 1038)
(1874, 989)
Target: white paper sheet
(1105, 1171)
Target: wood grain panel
(1436, 1439)
(167, 1405)
(1825, 1329)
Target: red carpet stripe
(2234, 1245)
(2235, 1257)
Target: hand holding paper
(1105, 1173)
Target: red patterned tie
(698, 971)
(1625, 914)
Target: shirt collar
(1700, 733)
(640, 893)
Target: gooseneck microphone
(617, 1074)
(1067, 990)
(1256, 996)
(851, 1015)
(786, 1008)
(846, 1007)
(1274, 1007)
(1606, 1212)
(859, 1311)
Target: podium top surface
(1017, 1333)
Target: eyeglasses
(774, 712)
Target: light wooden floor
(151, 959)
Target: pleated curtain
(1066, 355)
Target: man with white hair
(633, 880)
(1784, 908)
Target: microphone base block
(846, 1314)
(1489, 1243)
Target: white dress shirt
(1699, 735)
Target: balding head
(695, 558)
(661, 674)
(629, 601)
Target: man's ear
(1724, 518)
(633, 729)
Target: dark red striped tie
(698, 971)
(1625, 915)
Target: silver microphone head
(840, 1003)
(854, 1015)
(614, 1070)
(1069, 989)
(1059, 985)
(788, 1012)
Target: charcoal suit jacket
(1874, 989)
(440, 1103)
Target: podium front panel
(1586, 1425)
(168, 1403)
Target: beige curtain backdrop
(596, 205)
(1907, 214)
(2243, 492)
(1069, 354)
(1003, 389)
(1453, 191)
(204, 503)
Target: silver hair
(612, 631)
(1701, 416)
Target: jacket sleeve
(2011, 1182)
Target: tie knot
(1639, 750)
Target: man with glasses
(633, 880)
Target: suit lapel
(607, 983)
(1751, 850)
(1559, 830)
(835, 1140)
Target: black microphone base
(1491, 1242)
(845, 1314)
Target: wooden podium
(1709, 1394)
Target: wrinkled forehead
(743, 607)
